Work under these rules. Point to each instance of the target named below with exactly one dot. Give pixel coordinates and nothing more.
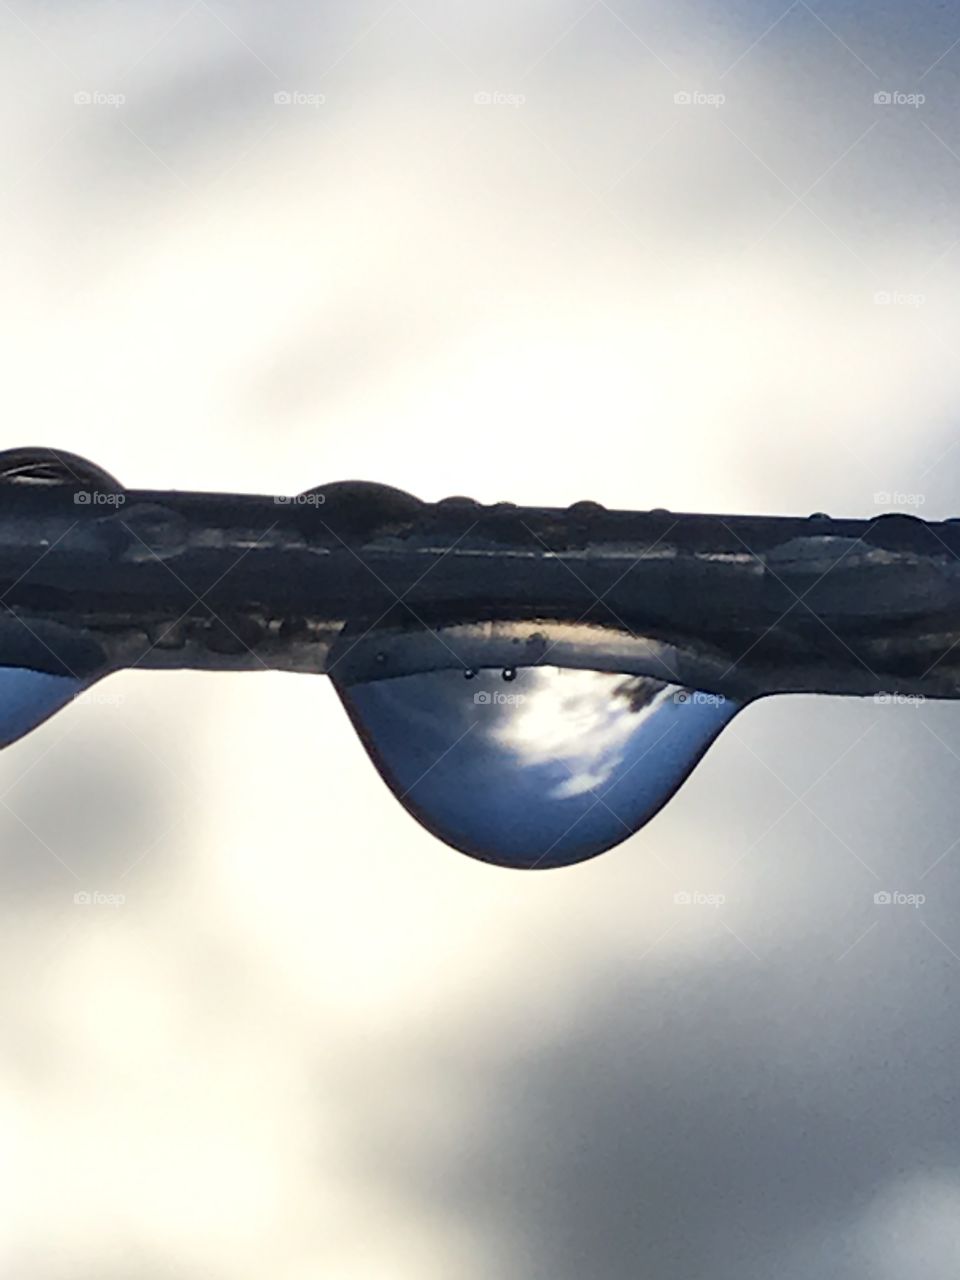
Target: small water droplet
(566, 764)
(509, 673)
(43, 467)
(457, 502)
(470, 673)
(27, 698)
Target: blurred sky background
(482, 249)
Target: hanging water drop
(509, 673)
(565, 765)
(470, 673)
(27, 698)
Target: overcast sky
(657, 255)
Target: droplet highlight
(561, 767)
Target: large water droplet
(565, 765)
(27, 698)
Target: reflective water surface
(536, 766)
(27, 698)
